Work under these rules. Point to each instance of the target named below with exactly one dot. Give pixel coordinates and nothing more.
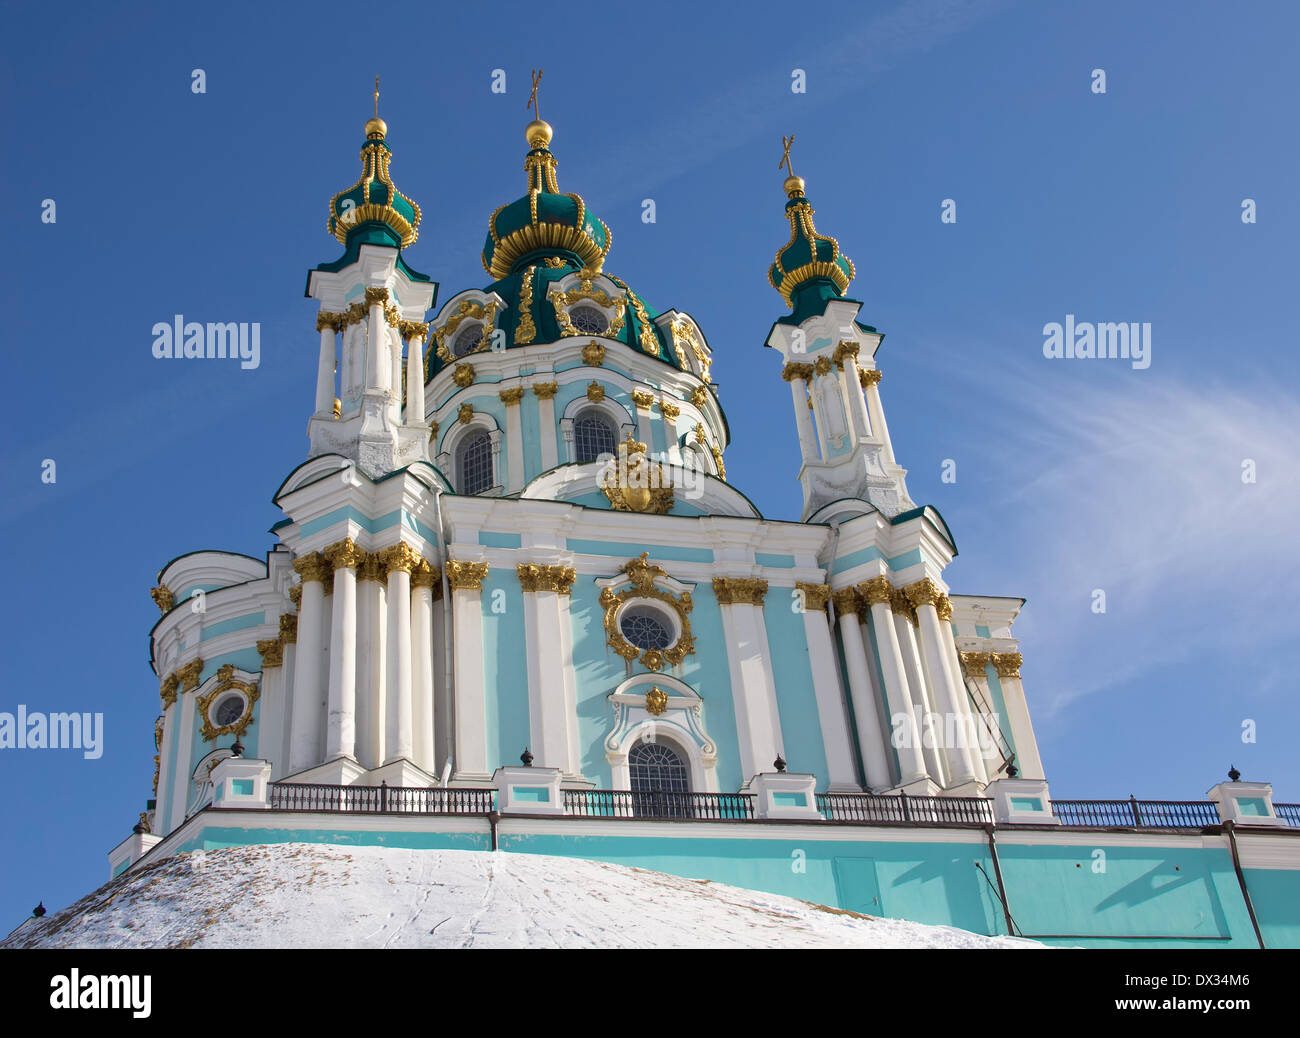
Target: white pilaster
(831, 712)
(750, 662)
(180, 786)
(546, 422)
(960, 757)
(803, 420)
(415, 378)
(400, 737)
(903, 721)
(877, 413)
(325, 370)
(422, 664)
(514, 439)
(304, 748)
(466, 581)
(923, 706)
(871, 741)
(341, 725)
(546, 590)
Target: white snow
(299, 895)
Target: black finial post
(527, 757)
(1233, 774)
(39, 910)
(138, 829)
(779, 763)
(237, 748)
(1012, 770)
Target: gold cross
(785, 159)
(533, 103)
(376, 97)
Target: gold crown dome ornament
(808, 257)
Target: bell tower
(830, 365)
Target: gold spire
(793, 185)
(538, 134)
(376, 128)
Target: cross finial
(533, 103)
(785, 158)
(376, 97)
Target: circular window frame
(207, 704)
(230, 695)
(596, 311)
(666, 616)
(461, 333)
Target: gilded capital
(189, 675)
(511, 396)
(413, 329)
(845, 349)
(295, 595)
(371, 567)
(815, 596)
(924, 592)
(876, 591)
(901, 604)
(466, 576)
(272, 653)
(593, 354)
(376, 296)
(399, 558)
(545, 390)
(312, 567)
(1008, 664)
(847, 601)
(344, 554)
(595, 392)
(162, 598)
(288, 628)
(167, 690)
(973, 663)
(869, 377)
(822, 365)
(669, 410)
(325, 319)
(739, 590)
(642, 399)
(943, 608)
(793, 370)
(533, 577)
(425, 575)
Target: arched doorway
(660, 781)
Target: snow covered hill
(299, 895)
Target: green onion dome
(808, 258)
(373, 207)
(543, 224)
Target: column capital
(425, 575)
(794, 370)
(545, 390)
(847, 601)
(924, 592)
(845, 349)
(877, 590)
(312, 567)
(669, 410)
(943, 607)
(288, 629)
(1008, 664)
(399, 557)
(642, 399)
(272, 653)
(167, 690)
(326, 319)
(901, 604)
(344, 554)
(371, 568)
(413, 329)
(739, 590)
(822, 365)
(466, 576)
(534, 577)
(815, 596)
(189, 674)
(973, 663)
(869, 377)
(295, 595)
(376, 296)
(511, 396)
(162, 598)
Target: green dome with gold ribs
(373, 207)
(543, 223)
(809, 257)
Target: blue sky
(1072, 475)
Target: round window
(588, 320)
(467, 340)
(228, 711)
(646, 628)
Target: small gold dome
(376, 127)
(538, 133)
(793, 186)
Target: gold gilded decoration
(272, 653)
(312, 567)
(656, 701)
(357, 313)
(973, 663)
(642, 399)
(564, 301)
(642, 576)
(327, 583)
(167, 690)
(698, 396)
(646, 334)
(433, 431)
(533, 577)
(1008, 664)
(923, 592)
(338, 408)
(526, 330)
(371, 568)
(413, 330)
(511, 396)
(156, 766)
(593, 354)
(739, 590)
(717, 460)
(902, 605)
(157, 732)
(295, 595)
(669, 411)
(943, 608)
(189, 675)
(815, 596)
(683, 339)
(325, 319)
(162, 598)
(466, 576)
(844, 349)
(465, 414)
(144, 815)
(792, 371)
(426, 575)
(399, 558)
(288, 629)
(876, 591)
(595, 392)
(467, 311)
(226, 682)
(800, 215)
(375, 161)
(463, 376)
(822, 365)
(545, 390)
(869, 377)
(847, 601)
(344, 554)
(700, 437)
(376, 296)
(635, 484)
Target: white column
(289, 639)
(466, 583)
(304, 747)
(749, 658)
(854, 397)
(379, 363)
(180, 785)
(514, 438)
(341, 724)
(1028, 762)
(372, 663)
(878, 427)
(395, 361)
(973, 724)
(163, 794)
(871, 740)
(803, 416)
(548, 728)
(415, 375)
(831, 714)
(272, 716)
(400, 738)
(902, 718)
(545, 393)
(923, 595)
(422, 663)
(922, 698)
(326, 324)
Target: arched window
(475, 464)
(467, 339)
(588, 320)
(593, 435)
(659, 780)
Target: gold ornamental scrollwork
(739, 590)
(593, 354)
(563, 301)
(534, 577)
(669, 410)
(344, 554)
(467, 311)
(847, 601)
(633, 483)
(162, 598)
(466, 576)
(466, 414)
(526, 330)
(272, 653)
(699, 396)
(399, 558)
(924, 592)
(511, 396)
(876, 591)
(167, 690)
(814, 596)
(463, 375)
(376, 296)
(313, 566)
(595, 392)
(334, 322)
(545, 390)
(1008, 664)
(189, 675)
(795, 370)
(427, 575)
(642, 399)
(869, 377)
(226, 681)
(656, 701)
(844, 349)
(642, 575)
(288, 629)
(973, 663)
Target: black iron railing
(618, 803)
(1288, 813)
(865, 808)
(301, 796)
(1137, 814)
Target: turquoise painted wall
(796, 701)
(505, 669)
(1275, 894)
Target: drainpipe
(1002, 889)
(493, 817)
(1228, 827)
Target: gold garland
(526, 330)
